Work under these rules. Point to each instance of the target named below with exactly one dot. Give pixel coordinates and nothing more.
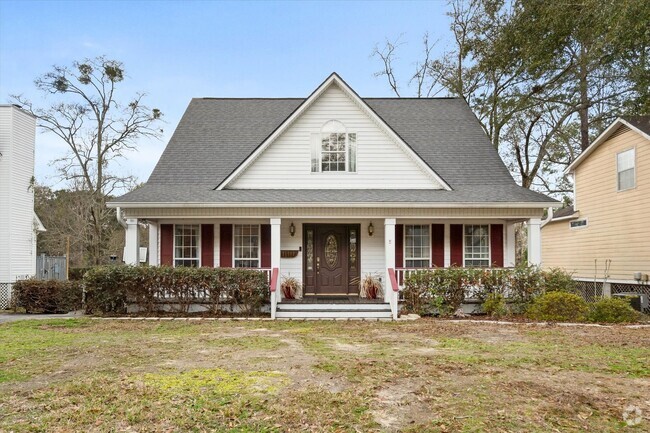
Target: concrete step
(339, 307)
(333, 314)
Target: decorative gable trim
(334, 78)
(606, 134)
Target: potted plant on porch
(291, 288)
(371, 287)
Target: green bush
(47, 296)
(111, 289)
(612, 310)
(558, 307)
(525, 283)
(495, 305)
(77, 274)
(558, 280)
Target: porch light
(292, 230)
(371, 229)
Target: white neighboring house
(328, 189)
(19, 224)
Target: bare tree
(98, 128)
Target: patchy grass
(423, 376)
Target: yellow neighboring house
(604, 237)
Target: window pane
(186, 241)
(626, 179)
(625, 160)
(352, 152)
(477, 245)
(417, 246)
(246, 245)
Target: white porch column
(389, 243)
(534, 241)
(153, 243)
(510, 254)
(275, 261)
(447, 245)
(132, 242)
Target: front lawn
(260, 376)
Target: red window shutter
(207, 245)
(225, 245)
(438, 245)
(265, 243)
(399, 245)
(166, 245)
(456, 243)
(496, 244)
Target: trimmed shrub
(525, 283)
(111, 289)
(558, 307)
(558, 280)
(439, 291)
(48, 296)
(77, 274)
(495, 305)
(612, 310)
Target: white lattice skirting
(5, 295)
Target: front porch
(330, 257)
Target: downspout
(118, 215)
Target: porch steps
(333, 311)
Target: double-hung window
(625, 170)
(335, 150)
(477, 245)
(417, 246)
(186, 245)
(247, 245)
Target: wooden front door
(331, 259)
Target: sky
(176, 50)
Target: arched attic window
(334, 149)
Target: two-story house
(603, 238)
(18, 222)
(330, 188)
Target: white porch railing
(402, 274)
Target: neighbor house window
(335, 149)
(186, 245)
(247, 246)
(477, 245)
(417, 246)
(578, 223)
(625, 169)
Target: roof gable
(638, 124)
(381, 162)
(334, 80)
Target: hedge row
(540, 295)
(443, 290)
(110, 289)
(48, 296)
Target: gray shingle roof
(564, 212)
(216, 135)
(179, 193)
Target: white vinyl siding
(17, 234)
(380, 162)
(186, 245)
(246, 251)
(476, 245)
(417, 246)
(625, 168)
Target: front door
(331, 259)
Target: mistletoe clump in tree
(98, 127)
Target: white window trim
(489, 226)
(347, 156)
(198, 244)
(404, 258)
(259, 246)
(586, 220)
(635, 170)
